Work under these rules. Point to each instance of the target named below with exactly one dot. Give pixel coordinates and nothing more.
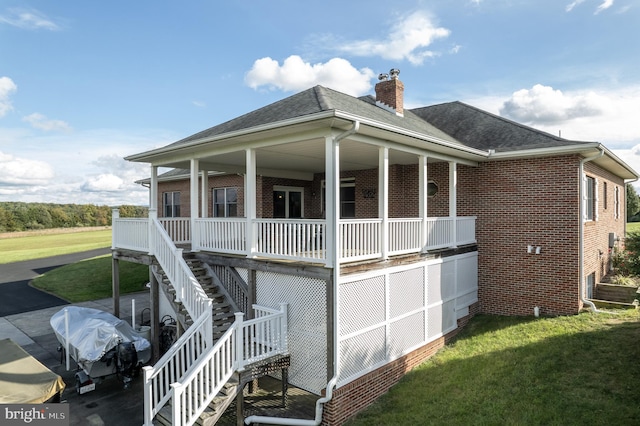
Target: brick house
(383, 229)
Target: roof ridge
(512, 122)
(321, 97)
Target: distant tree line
(19, 216)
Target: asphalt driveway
(17, 296)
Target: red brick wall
(520, 203)
(355, 396)
(596, 245)
(183, 186)
(534, 202)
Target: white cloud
(295, 74)
(7, 87)
(104, 182)
(41, 122)
(79, 167)
(28, 19)
(17, 172)
(606, 4)
(543, 104)
(408, 39)
(607, 116)
(573, 4)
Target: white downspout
(332, 383)
(581, 237)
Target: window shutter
(595, 199)
(584, 197)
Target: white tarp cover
(23, 379)
(92, 333)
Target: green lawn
(78, 282)
(91, 279)
(572, 370)
(39, 245)
(633, 227)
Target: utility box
(612, 239)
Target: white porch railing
(306, 240)
(359, 239)
(130, 233)
(222, 235)
(465, 230)
(291, 239)
(405, 236)
(244, 343)
(178, 228)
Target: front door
(288, 202)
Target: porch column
(453, 184)
(383, 200)
(424, 197)
(204, 194)
(250, 191)
(332, 201)
(153, 188)
(193, 193)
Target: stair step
(164, 416)
(223, 318)
(215, 296)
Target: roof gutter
(584, 300)
(556, 150)
(334, 380)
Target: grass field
(39, 244)
(91, 279)
(86, 280)
(572, 370)
(633, 227)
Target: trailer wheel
(78, 385)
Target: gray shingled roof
(316, 100)
(482, 130)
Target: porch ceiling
(300, 159)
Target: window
(347, 198)
(589, 198)
(604, 195)
(616, 202)
(225, 202)
(432, 189)
(171, 204)
(288, 202)
(590, 282)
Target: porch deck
(299, 239)
(266, 400)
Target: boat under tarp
(24, 379)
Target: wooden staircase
(223, 317)
(213, 412)
(223, 308)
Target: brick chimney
(390, 92)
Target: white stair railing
(193, 370)
(245, 342)
(173, 365)
(196, 340)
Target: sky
(84, 84)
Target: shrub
(627, 261)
